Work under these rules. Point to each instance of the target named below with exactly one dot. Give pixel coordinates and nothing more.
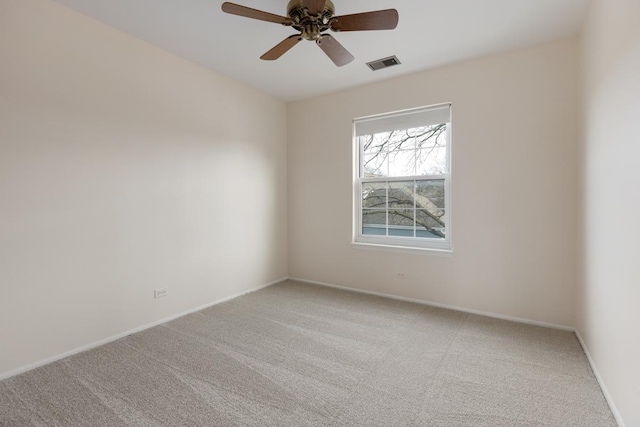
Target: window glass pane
(374, 222)
(374, 144)
(375, 165)
(430, 208)
(401, 195)
(402, 163)
(431, 136)
(401, 222)
(374, 195)
(431, 161)
(401, 140)
(430, 223)
(430, 194)
(407, 139)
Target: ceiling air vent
(383, 63)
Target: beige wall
(124, 169)
(513, 185)
(608, 297)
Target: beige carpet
(303, 355)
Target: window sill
(447, 253)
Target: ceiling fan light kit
(312, 18)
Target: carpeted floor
(302, 355)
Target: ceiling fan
(312, 18)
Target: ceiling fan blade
(314, 7)
(281, 48)
(247, 12)
(378, 20)
(334, 50)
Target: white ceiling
(430, 33)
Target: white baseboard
(436, 304)
(605, 391)
(95, 344)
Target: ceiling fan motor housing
(310, 26)
(297, 7)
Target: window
(402, 190)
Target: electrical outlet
(399, 275)
(159, 293)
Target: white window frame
(398, 243)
